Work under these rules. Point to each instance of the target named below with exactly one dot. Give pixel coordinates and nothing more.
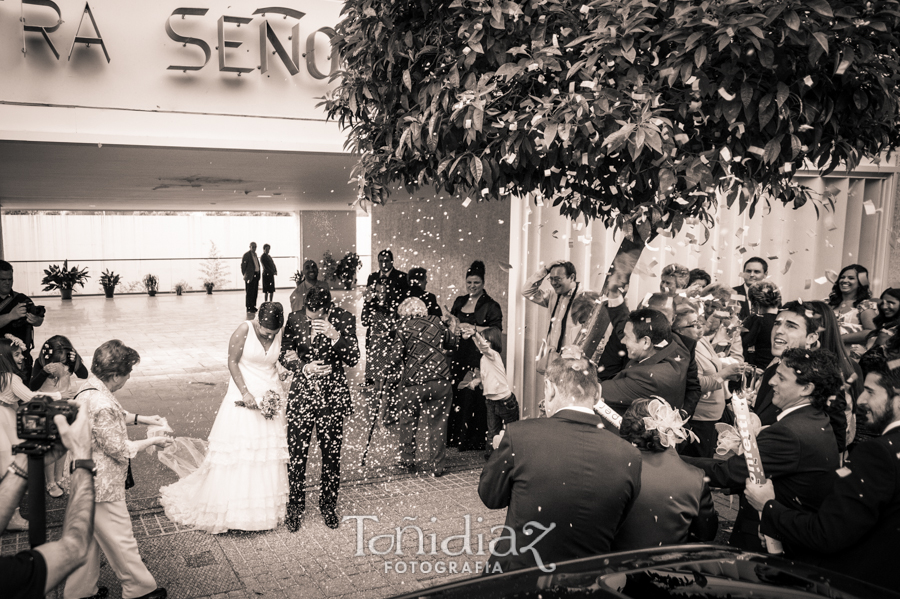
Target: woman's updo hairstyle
(476, 270)
(635, 432)
(764, 294)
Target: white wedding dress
(242, 483)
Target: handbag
(129, 478)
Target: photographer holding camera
(34, 573)
(18, 314)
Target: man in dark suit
(795, 326)
(318, 342)
(250, 271)
(385, 289)
(565, 478)
(798, 452)
(418, 280)
(755, 269)
(857, 527)
(658, 363)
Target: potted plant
(109, 280)
(214, 269)
(180, 287)
(346, 269)
(209, 286)
(64, 279)
(327, 269)
(151, 284)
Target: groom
(318, 342)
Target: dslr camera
(34, 420)
(39, 311)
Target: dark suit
(251, 273)
(321, 402)
(798, 453)
(429, 299)
(857, 527)
(763, 407)
(675, 505)
(745, 303)
(379, 316)
(268, 272)
(563, 472)
(663, 374)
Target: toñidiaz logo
(429, 544)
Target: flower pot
(151, 292)
(66, 293)
(109, 290)
(178, 292)
(209, 289)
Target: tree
(214, 271)
(640, 113)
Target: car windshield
(695, 580)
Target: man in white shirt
(563, 288)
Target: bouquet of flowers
(270, 404)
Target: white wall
(170, 247)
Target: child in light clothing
(502, 406)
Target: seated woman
(851, 299)
(674, 505)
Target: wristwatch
(86, 464)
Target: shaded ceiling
(57, 176)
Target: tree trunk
(596, 332)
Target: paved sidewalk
(182, 376)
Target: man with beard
(310, 280)
(564, 288)
(857, 527)
(317, 343)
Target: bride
(242, 482)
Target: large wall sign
(270, 60)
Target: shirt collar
(576, 408)
(891, 426)
(792, 409)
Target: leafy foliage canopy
(640, 113)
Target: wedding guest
(269, 270)
(699, 277)
(712, 374)
(558, 299)
(565, 477)
(425, 388)
(673, 278)
(675, 505)
(58, 368)
(652, 368)
(17, 317)
(796, 326)
(112, 452)
(851, 300)
(475, 311)
(887, 323)
(418, 281)
(857, 526)
(34, 573)
(840, 408)
(798, 451)
(385, 289)
(755, 270)
(250, 270)
(310, 279)
(317, 344)
(502, 406)
(13, 391)
(765, 300)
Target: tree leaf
(822, 7)
(700, 55)
(781, 94)
(822, 39)
(792, 20)
(772, 150)
(476, 169)
(407, 80)
(746, 93)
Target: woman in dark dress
(268, 274)
(765, 300)
(476, 311)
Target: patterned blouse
(849, 321)
(111, 446)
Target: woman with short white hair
(110, 370)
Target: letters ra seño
(267, 38)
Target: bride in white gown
(242, 483)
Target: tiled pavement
(182, 376)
